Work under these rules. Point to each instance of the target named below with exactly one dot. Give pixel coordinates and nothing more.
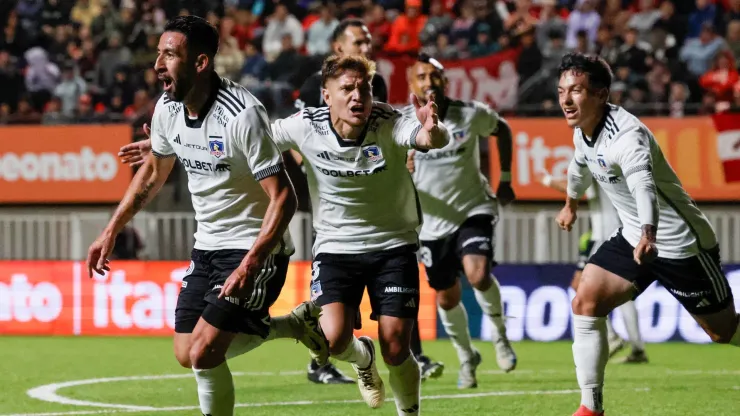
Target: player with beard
(664, 235)
(243, 202)
(460, 214)
(366, 237)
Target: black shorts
(391, 277)
(203, 281)
(697, 282)
(443, 258)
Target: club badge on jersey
(217, 148)
(372, 153)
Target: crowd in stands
(89, 61)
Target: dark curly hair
(201, 36)
(599, 73)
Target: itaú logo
(545, 315)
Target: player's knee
(723, 336)
(338, 342)
(201, 355)
(581, 305)
(480, 279)
(394, 351)
(183, 357)
(448, 298)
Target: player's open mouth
(166, 82)
(570, 112)
(357, 110)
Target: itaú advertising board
(537, 305)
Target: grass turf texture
(681, 379)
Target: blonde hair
(335, 66)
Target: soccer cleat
(505, 355)
(429, 368)
(368, 379)
(466, 378)
(585, 411)
(635, 357)
(616, 344)
(306, 316)
(327, 374)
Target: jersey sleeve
(252, 132)
(161, 147)
(287, 132)
(579, 177)
(405, 129)
(631, 152)
(486, 119)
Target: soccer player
(243, 202)
(352, 38)
(366, 215)
(460, 214)
(664, 236)
(604, 222)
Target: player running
(366, 215)
(352, 38)
(243, 202)
(604, 222)
(664, 236)
(460, 214)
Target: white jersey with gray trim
(449, 181)
(226, 151)
(362, 195)
(683, 230)
(604, 217)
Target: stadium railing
(521, 237)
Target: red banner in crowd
(491, 79)
(135, 298)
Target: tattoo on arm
(649, 231)
(141, 197)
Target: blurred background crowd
(90, 61)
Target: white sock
(405, 380)
(455, 322)
(631, 323)
(736, 338)
(215, 390)
(490, 303)
(356, 353)
(282, 327)
(590, 354)
(611, 334)
(242, 344)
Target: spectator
(254, 70)
(281, 23)
(554, 51)
(69, 90)
(549, 21)
(442, 48)
(705, 14)
(644, 19)
(85, 11)
(52, 15)
(14, 39)
(671, 22)
(29, 15)
(721, 79)
(439, 21)
(42, 76)
(282, 73)
(111, 58)
(11, 81)
(606, 46)
(584, 18)
(698, 53)
(406, 28)
(462, 27)
(319, 34)
(229, 59)
(484, 45)
(53, 114)
(521, 18)
(379, 26)
(108, 21)
(25, 114)
(530, 58)
(633, 53)
(733, 40)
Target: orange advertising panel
(63, 164)
(689, 144)
(133, 299)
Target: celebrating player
(243, 202)
(352, 38)
(366, 215)
(460, 214)
(604, 222)
(664, 236)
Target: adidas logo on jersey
(411, 303)
(177, 139)
(324, 155)
(704, 302)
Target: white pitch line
(311, 402)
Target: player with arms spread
(460, 214)
(604, 222)
(243, 202)
(664, 236)
(366, 215)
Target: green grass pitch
(681, 379)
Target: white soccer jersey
(225, 152)
(604, 217)
(620, 157)
(362, 195)
(449, 181)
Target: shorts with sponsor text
(443, 258)
(390, 276)
(697, 282)
(203, 282)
